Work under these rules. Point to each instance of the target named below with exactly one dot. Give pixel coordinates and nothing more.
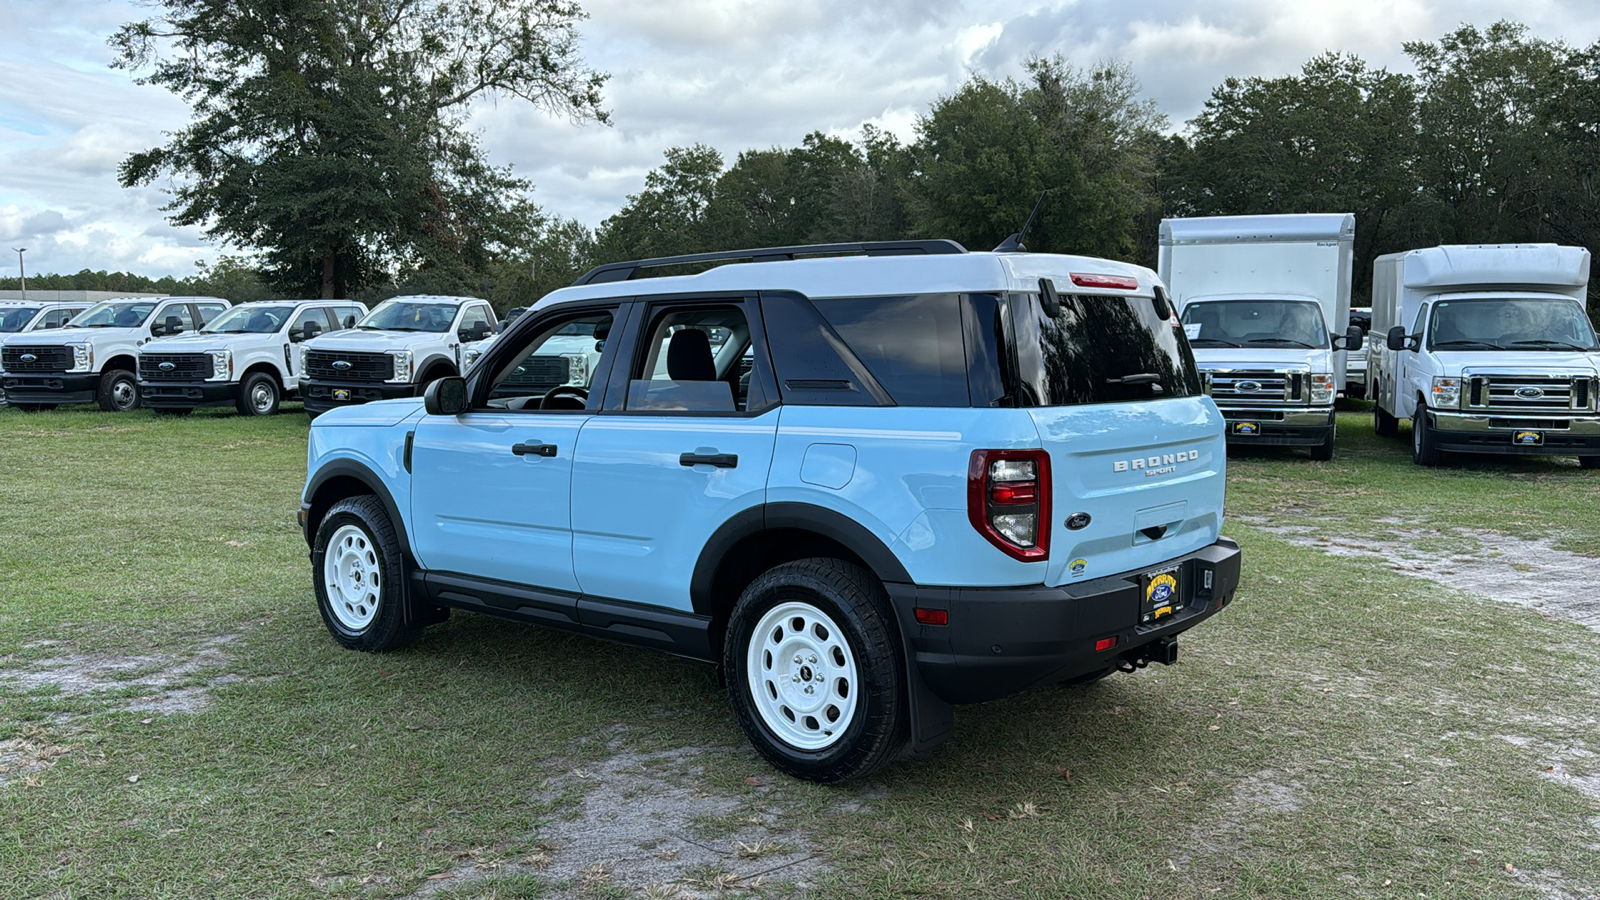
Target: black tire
(383, 623)
(1383, 424)
(1589, 462)
(174, 411)
(118, 392)
(259, 395)
(1324, 451)
(1089, 677)
(1424, 447)
(877, 722)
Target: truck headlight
(1322, 388)
(82, 357)
(577, 369)
(402, 365)
(1446, 393)
(469, 356)
(221, 365)
(300, 359)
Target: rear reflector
(1116, 282)
(1104, 644)
(932, 616)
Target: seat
(689, 356)
(262, 323)
(128, 318)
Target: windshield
(250, 320)
(1509, 324)
(1255, 323)
(126, 314)
(406, 315)
(12, 318)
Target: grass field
(174, 721)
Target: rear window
(912, 345)
(1099, 349)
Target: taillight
(1008, 500)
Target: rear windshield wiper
(1214, 341)
(1562, 345)
(1439, 345)
(1141, 378)
(1276, 340)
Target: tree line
(329, 146)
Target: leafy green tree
(667, 218)
(330, 134)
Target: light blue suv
(869, 481)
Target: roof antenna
(1013, 244)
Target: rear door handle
(720, 460)
(547, 450)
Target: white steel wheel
(802, 676)
(352, 572)
(262, 397)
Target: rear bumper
(1281, 427)
(1003, 640)
(1472, 433)
(187, 394)
(51, 387)
(321, 396)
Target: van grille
(57, 358)
(362, 366)
(1530, 393)
(1243, 388)
(175, 367)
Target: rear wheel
(358, 574)
(258, 395)
(1589, 462)
(1384, 424)
(814, 670)
(1424, 447)
(119, 391)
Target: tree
(330, 134)
(667, 218)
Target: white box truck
(1265, 302)
(1487, 349)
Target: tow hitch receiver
(1163, 650)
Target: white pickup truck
(404, 343)
(1487, 350)
(1265, 302)
(246, 358)
(22, 316)
(93, 358)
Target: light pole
(22, 270)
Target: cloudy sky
(734, 74)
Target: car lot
(174, 721)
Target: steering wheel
(575, 391)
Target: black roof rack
(627, 271)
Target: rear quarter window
(1099, 349)
(912, 345)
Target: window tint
(556, 368)
(1099, 349)
(689, 361)
(912, 345)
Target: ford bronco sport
(869, 487)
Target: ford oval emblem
(1247, 387)
(1530, 393)
(1078, 521)
(167, 367)
(28, 357)
(341, 364)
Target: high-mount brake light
(1008, 501)
(1115, 282)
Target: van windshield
(1255, 323)
(1099, 349)
(1510, 324)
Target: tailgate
(1149, 475)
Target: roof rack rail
(627, 271)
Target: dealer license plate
(1246, 429)
(1528, 438)
(1160, 595)
(341, 394)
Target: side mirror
(309, 330)
(1397, 338)
(1350, 340)
(478, 331)
(445, 396)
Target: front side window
(209, 311)
(111, 314)
(173, 319)
(557, 367)
(1255, 323)
(317, 317)
(475, 324)
(410, 315)
(689, 361)
(1509, 324)
(249, 320)
(56, 318)
(1105, 348)
(14, 318)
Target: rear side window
(1099, 349)
(912, 345)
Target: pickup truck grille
(175, 367)
(361, 366)
(1530, 393)
(540, 373)
(56, 358)
(1243, 388)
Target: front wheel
(258, 395)
(815, 672)
(1324, 451)
(358, 573)
(119, 391)
(1424, 446)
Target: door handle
(546, 450)
(720, 460)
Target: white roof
(1257, 229)
(875, 276)
(434, 298)
(1454, 265)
